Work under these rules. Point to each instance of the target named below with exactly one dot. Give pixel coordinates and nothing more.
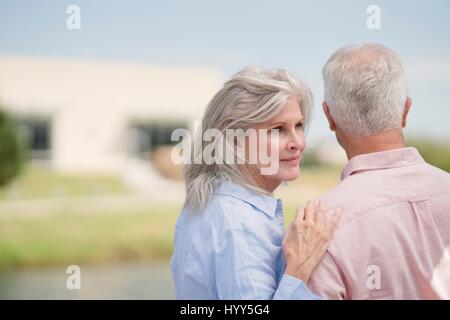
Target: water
(141, 280)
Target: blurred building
(95, 116)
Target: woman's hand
(307, 238)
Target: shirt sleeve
(291, 288)
(327, 280)
(246, 261)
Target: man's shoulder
(342, 196)
(436, 172)
(360, 193)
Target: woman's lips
(291, 160)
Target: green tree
(434, 152)
(11, 149)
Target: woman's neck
(265, 183)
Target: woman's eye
(299, 125)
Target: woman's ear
(326, 110)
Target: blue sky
(228, 35)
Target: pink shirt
(393, 240)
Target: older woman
(230, 241)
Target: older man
(393, 241)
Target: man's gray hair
(365, 88)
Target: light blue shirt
(232, 249)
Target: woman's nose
(296, 142)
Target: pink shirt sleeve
(327, 281)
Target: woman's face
(284, 150)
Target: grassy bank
(74, 238)
(39, 181)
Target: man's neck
(382, 141)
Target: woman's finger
(320, 215)
(333, 222)
(309, 214)
(299, 215)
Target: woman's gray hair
(252, 96)
(365, 88)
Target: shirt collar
(265, 203)
(382, 160)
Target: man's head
(366, 93)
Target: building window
(146, 137)
(36, 132)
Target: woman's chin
(289, 175)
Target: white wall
(91, 103)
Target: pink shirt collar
(382, 160)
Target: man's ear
(326, 110)
(405, 112)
